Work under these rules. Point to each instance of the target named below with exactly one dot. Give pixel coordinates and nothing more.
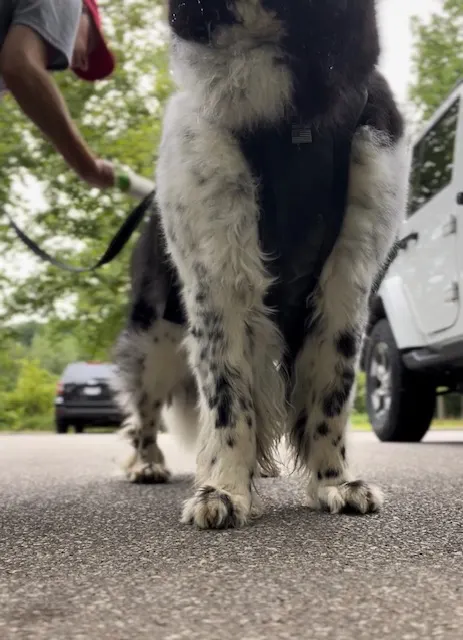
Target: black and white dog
(281, 183)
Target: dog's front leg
(207, 198)
(327, 366)
(227, 447)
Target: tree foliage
(32, 357)
(29, 404)
(438, 56)
(120, 119)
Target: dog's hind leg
(209, 208)
(151, 364)
(327, 365)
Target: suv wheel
(61, 426)
(400, 402)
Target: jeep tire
(400, 402)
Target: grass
(360, 422)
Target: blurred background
(50, 319)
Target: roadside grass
(46, 427)
(359, 422)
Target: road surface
(84, 555)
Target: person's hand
(101, 175)
(79, 59)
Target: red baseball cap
(100, 61)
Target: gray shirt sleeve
(56, 21)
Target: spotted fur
(249, 301)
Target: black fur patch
(147, 442)
(203, 492)
(381, 111)
(335, 400)
(334, 403)
(331, 47)
(299, 433)
(143, 314)
(230, 520)
(322, 429)
(346, 344)
(196, 333)
(222, 401)
(351, 506)
(198, 19)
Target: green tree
(53, 349)
(437, 59)
(120, 118)
(29, 405)
(11, 354)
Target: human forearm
(40, 99)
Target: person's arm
(23, 66)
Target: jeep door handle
(403, 242)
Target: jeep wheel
(400, 402)
(61, 426)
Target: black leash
(116, 245)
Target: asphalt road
(84, 555)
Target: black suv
(84, 397)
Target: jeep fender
(399, 314)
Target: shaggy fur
(280, 189)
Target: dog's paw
(148, 473)
(349, 497)
(212, 508)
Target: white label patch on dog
(301, 133)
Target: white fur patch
(240, 80)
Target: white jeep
(414, 342)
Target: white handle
(133, 184)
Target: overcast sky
(396, 39)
